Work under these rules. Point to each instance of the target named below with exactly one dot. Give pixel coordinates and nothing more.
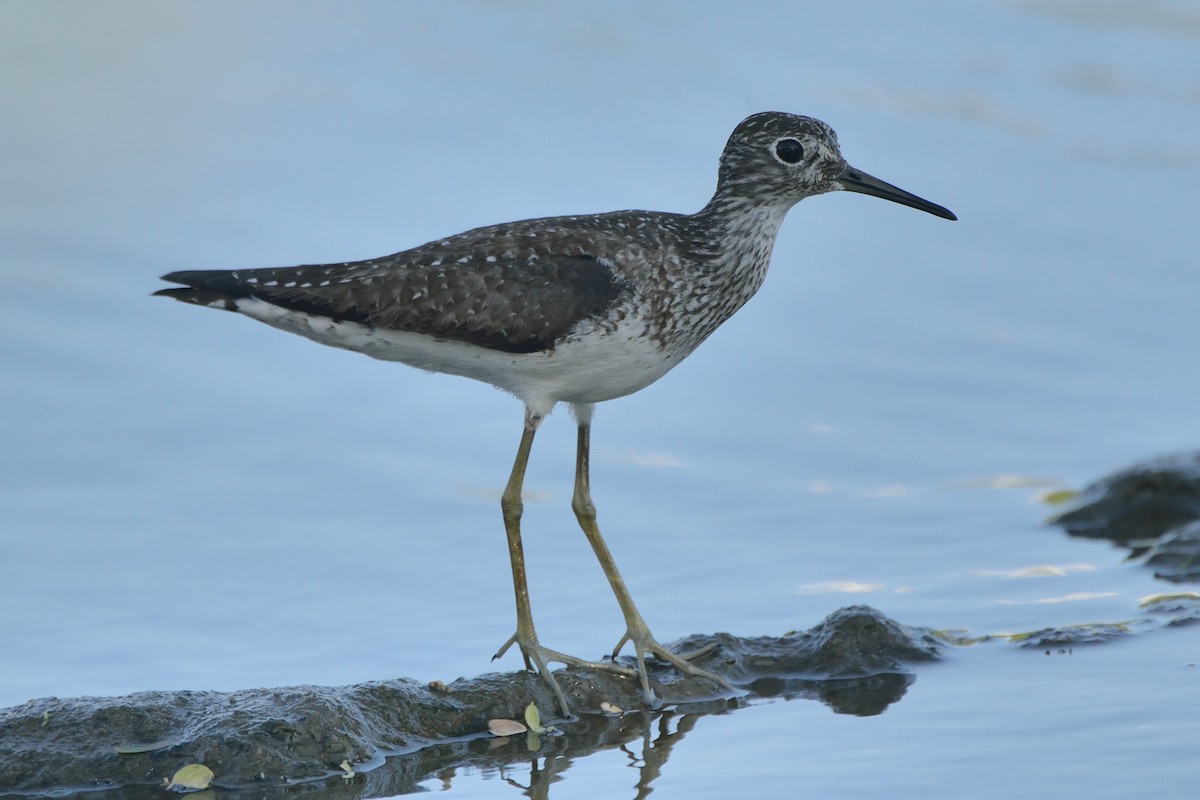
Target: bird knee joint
(511, 507)
(583, 508)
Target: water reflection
(861, 697)
(656, 736)
(647, 741)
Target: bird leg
(535, 655)
(637, 632)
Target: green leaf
(533, 718)
(191, 778)
(1059, 497)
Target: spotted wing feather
(515, 301)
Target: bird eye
(789, 151)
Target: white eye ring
(787, 150)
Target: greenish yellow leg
(637, 632)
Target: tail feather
(220, 279)
(201, 297)
(213, 288)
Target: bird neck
(735, 235)
(734, 219)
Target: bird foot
(645, 644)
(538, 658)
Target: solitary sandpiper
(577, 309)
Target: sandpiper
(578, 310)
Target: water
(192, 500)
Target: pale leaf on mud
(148, 747)
(505, 727)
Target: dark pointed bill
(855, 180)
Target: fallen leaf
(148, 747)
(533, 718)
(191, 778)
(1059, 497)
(611, 709)
(505, 727)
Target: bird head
(781, 158)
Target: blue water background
(190, 500)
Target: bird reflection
(646, 741)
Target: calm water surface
(191, 500)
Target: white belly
(589, 366)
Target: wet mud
(396, 734)
(1152, 509)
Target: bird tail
(201, 297)
(212, 288)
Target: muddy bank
(1152, 509)
(253, 740)
(398, 735)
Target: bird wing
(513, 299)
